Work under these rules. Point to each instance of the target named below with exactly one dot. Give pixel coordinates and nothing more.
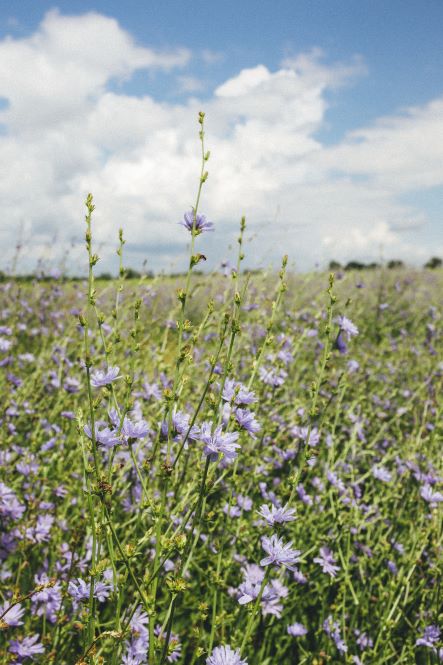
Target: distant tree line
(432, 264)
(130, 273)
(42, 277)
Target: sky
(324, 120)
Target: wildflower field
(221, 469)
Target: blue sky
(400, 40)
(363, 61)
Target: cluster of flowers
(369, 465)
(215, 440)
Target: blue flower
(26, 648)
(139, 621)
(274, 515)
(131, 430)
(279, 553)
(48, 601)
(347, 327)
(225, 656)
(236, 392)
(297, 630)
(80, 590)
(101, 378)
(348, 330)
(430, 636)
(272, 377)
(105, 437)
(10, 506)
(381, 473)
(332, 629)
(428, 494)
(201, 223)
(218, 442)
(13, 615)
(327, 561)
(340, 343)
(246, 420)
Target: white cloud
(67, 132)
(190, 84)
(245, 82)
(403, 151)
(66, 64)
(311, 65)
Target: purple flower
(218, 442)
(297, 630)
(26, 648)
(347, 330)
(102, 591)
(48, 601)
(430, 636)
(181, 421)
(71, 384)
(5, 344)
(336, 481)
(392, 567)
(104, 437)
(246, 419)
(201, 223)
(274, 515)
(150, 391)
(381, 473)
(332, 629)
(139, 621)
(232, 511)
(304, 496)
(174, 647)
(244, 502)
(136, 650)
(180, 427)
(340, 343)
(347, 327)
(40, 533)
(27, 467)
(363, 640)
(271, 602)
(253, 574)
(272, 377)
(327, 561)
(10, 506)
(79, 590)
(309, 436)
(101, 378)
(236, 392)
(279, 553)
(250, 589)
(299, 577)
(225, 656)
(13, 615)
(131, 430)
(430, 496)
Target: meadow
(221, 469)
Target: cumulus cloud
(402, 152)
(67, 131)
